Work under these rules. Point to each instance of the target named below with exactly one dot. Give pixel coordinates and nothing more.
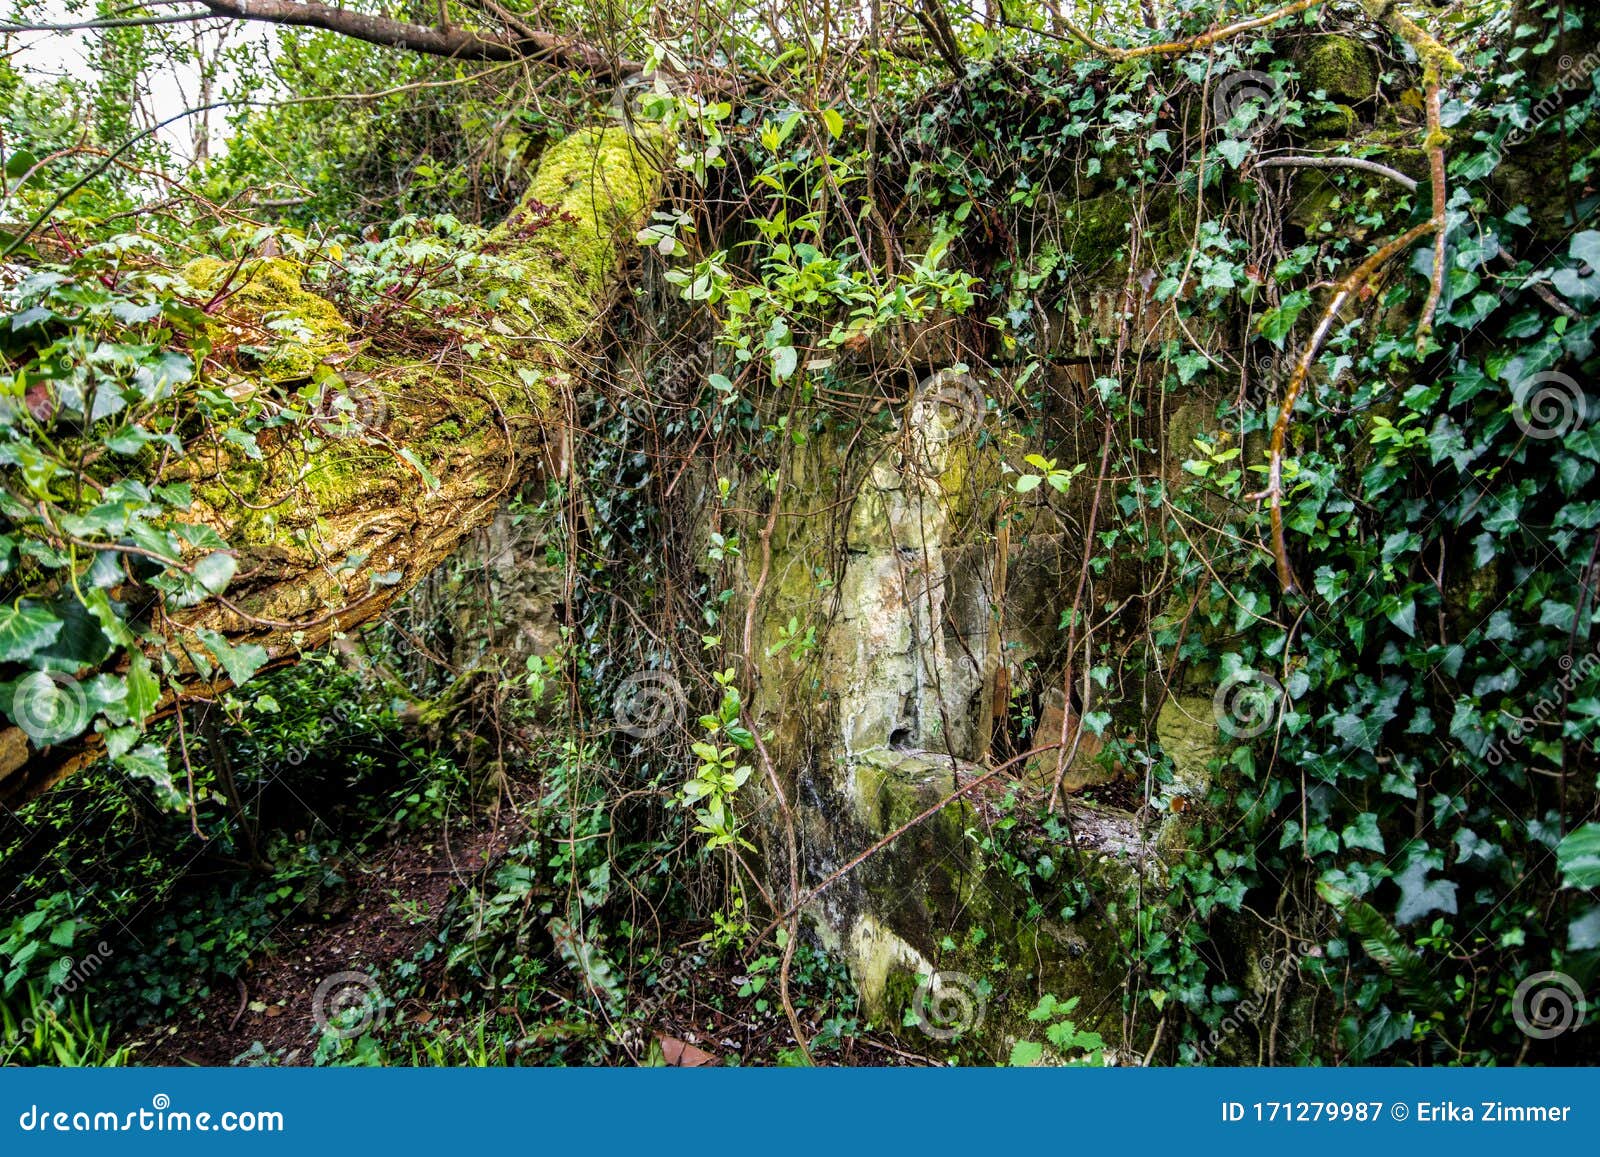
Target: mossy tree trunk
(329, 530)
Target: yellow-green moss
(1339, 121)
(266, 307)
(1340, 66)
(576, 221)
(599, 185)
(1097, 229)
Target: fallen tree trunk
(329, 530)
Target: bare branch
(1361, 163)
(115, 22)
(456, 43)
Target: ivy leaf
(144, 689)
(1234, 151)
(215, 571)
(241, 662)
(1419, 895)
(1577, 284)
(1276, 324)
(1583, 932)
(1585, 247)
(99, 604)
(1405, 617)
(244, 440)
(1578, 856)
(120, 741)
(24, 630)
(1574, 286)
(1364, 833)
(148, 761)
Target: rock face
(908, 611)
(948, 599)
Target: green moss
(1097, 229)
(939, 902)
(1339, 121)
(265, 308)
(578, 218)
(555, 261)
(343, 472)
(1340, 66)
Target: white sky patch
(170, 85)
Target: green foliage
(62, 1034)
(716, 783)
(1428, 766)
(1070, 1042)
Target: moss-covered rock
(1096, 230)
(1341, 66)
(1187, 728)
(1338, 121)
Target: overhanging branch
(457, 43)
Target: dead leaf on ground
(682, 1054)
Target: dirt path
(391, 906)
